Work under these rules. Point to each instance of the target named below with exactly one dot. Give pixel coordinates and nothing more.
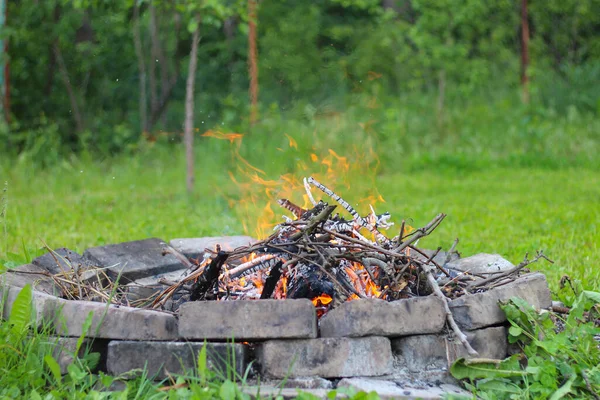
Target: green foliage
(555, 362)
(313, 55)
(21, 312)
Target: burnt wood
(208, 280)
(271, 281)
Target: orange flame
(232, 137)
(322, 300)
(292, 141)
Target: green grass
(512, 180)
(508, 211)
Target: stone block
(173, 357)
(481, 263)
(64, 351)
(134, 260)
(325, 357)
(440, 257)
(61, 260)
(29, 274)
(430, 352)
(248, 319)
(474, 311)
(308, 382)
(194, 247)
(392, 390)
(108, 321)
(144, 288)
(43, 304)
(374, 317)
(274, 392)
(113, 322)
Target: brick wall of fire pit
(405, 339)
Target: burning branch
(323, 257)
(451, 322)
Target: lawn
(510, 211)
(510, 181)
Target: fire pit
(323, 295)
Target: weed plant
(559, 358)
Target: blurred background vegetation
(486, 110)
(416, 68)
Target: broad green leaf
(20, 314)
(515, 331)
(594, 296)
(106, 380)
(498, 385)
(227, 391)
(564, 389)
(54, 367)
(34, 395)
(202, 363)
(76, 373)
(473, 369)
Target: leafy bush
(560, 357)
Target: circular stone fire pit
(316, 299)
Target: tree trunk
(524, 51)
(441, 94)
(64, 73)
(189, 112)
(137, 40)
(4, 74)
(158, 57)
(252, 62)
(153, 61)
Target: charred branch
(208, 280)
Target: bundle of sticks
(331, 260)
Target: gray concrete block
(430, 352)
(325, 357)
(30, 274)
(308, 382)
(374, 317)
(134, 260)
(392, 390)
(194, 247)
(61, 260)
(43, 304)
(113, 322)
(274, 392)
(474, 311)
(439, 258)
(108, 322)
(173, 357)
(481, 263)
(248, 319)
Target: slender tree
(137, 39)
(524, 51)
(4, 73)
(252, 62)
(188, 136)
